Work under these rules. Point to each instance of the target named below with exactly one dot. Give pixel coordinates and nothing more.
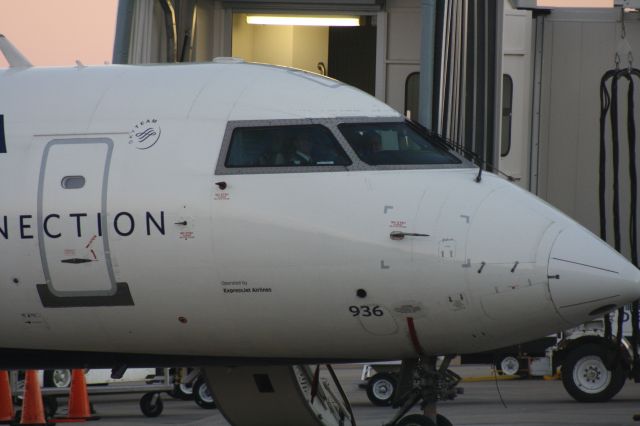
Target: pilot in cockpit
(368, 144)
(302, 154)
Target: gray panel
(578, 49)
(404, 28)
(123, 32)
(545, 101)
(563, 127)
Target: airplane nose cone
(587, 278)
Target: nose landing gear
(421, 381)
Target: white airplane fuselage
(122, 230)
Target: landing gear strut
(421, 381)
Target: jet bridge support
(276, 396)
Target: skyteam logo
(145, 134)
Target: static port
(361, 293)
(183, 320)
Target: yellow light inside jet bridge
(312, 21)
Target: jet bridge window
(412, 96)
(395, 144)
(285, 146)
(507, 110)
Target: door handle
(76, 260)
(399, 235)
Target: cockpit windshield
(394, 144)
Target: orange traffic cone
(6, 402)
(32, 406)
(79, 408)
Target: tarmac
(486, 401)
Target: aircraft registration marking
(366, 310)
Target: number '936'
(366, 311)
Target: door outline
(119, 293)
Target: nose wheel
(421, 382)
(381, 389)
(420, 420)
(587, 376)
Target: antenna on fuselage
(12, 54)
(479, 177)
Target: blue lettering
(24, 227)
(78, 227)
(4, 231)
(99, 225)
(3, 142)
(46, 227)
(150, 219)
(124, 224)
(132, 224)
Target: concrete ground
(528, 402)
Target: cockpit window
(285, 146)
(394, 144)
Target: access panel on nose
(507, 256)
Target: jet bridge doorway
(339, 46)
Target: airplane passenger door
(72, 231)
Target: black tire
(585, 375)
(416, 420)
(443, 421)
(202, 394)
(151, 405)
(60, 378)
(420, 420)
(182, 391)
(381, 389)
